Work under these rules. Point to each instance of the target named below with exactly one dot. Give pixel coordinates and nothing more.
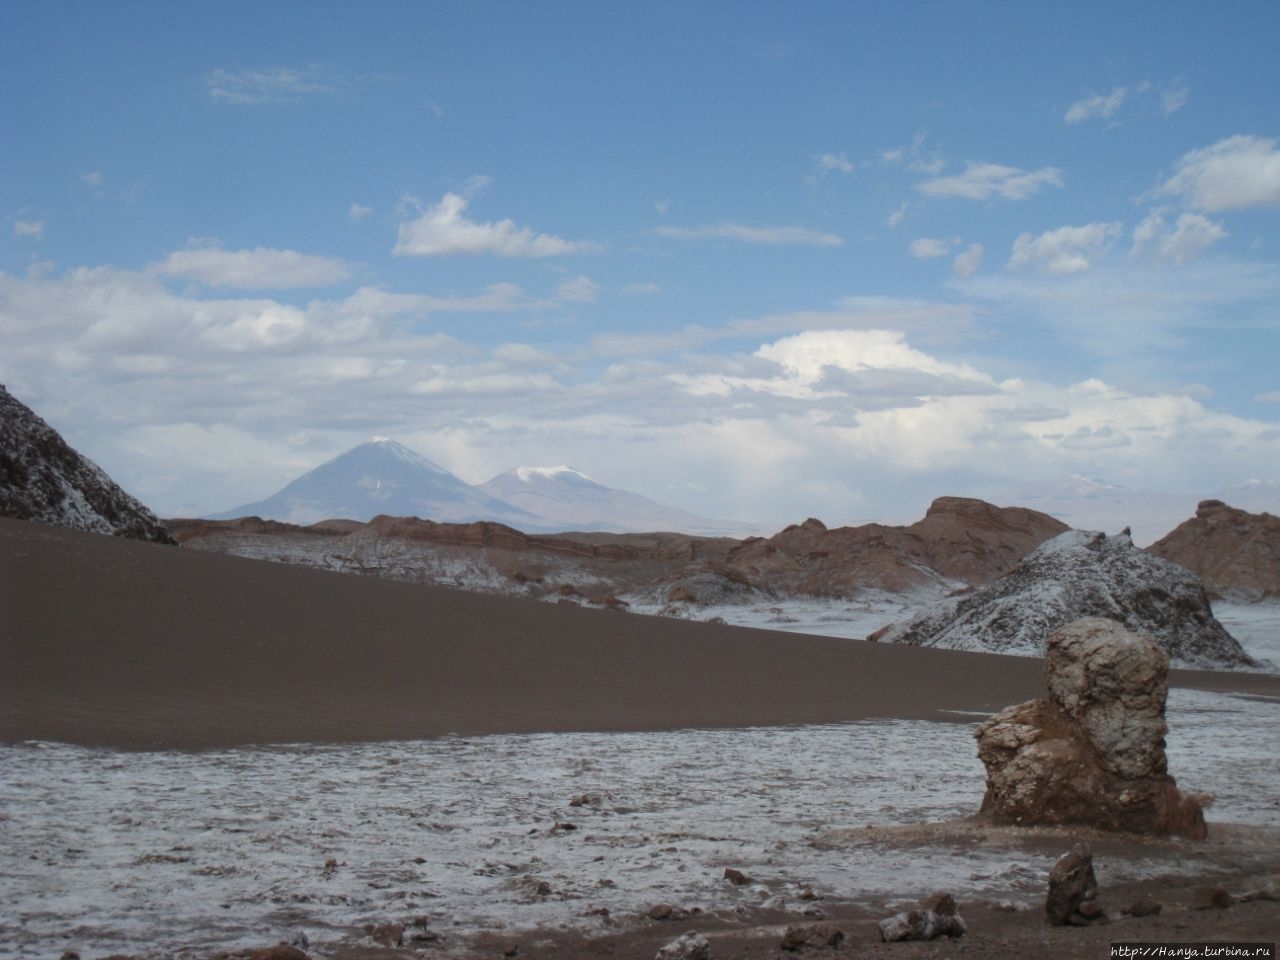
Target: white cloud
(358, 211)
(29, 228)
(927, 248)
(1102, 105)
(834, 163)
(579, 289)
(93, 179)
(273, 85)
(1272, 397)
(1174, 97)
(443, 230)
(767, 235)
(662, 206)
(259, 269)
(895, 216)
(982, 181)
(1192, 234)
(1065, 250)
(1233, 174)
(1128, 314)
(825, 413)
(641, 289)
(968, 261)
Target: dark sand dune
(112, 642)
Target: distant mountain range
(386, 477)
(1086, 504)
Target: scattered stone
(1143, 908)
(665, 911)
(70, 955)
(281, 951)
(561, 827)
(586, 799)
(689, 946)
(511, 950)
(799, 936)
(1072, 883)
(386, 934)
(543, 889)
(736, 877)
(330, 868)
(1214, 898)
(1093, 753)
(921, 925)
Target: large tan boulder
(1093, 752)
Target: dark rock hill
(44, 479)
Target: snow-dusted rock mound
(1079, 574)
(42, 478)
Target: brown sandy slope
(113, 642)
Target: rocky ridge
(1235, 553)
(958, 542)
(43, 478)
(1080, 574)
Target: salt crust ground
(184, 854)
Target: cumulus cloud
(895, 216)
(1190, 235)
(766, 235)
(579, 289)
(259, 269)
(982, 181)
(442, 229)
(94, 178)
(927, 248)
(968, 261)
(1101, 105)
(358, 211)
(1065, 250)
(29, 228)
(273, 85)
(819, 409)
(1232, 174)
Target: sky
(756, 260)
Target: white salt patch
(176, 852)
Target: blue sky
(760, 261)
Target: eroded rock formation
(1235, 553)
(1093, 752)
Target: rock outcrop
(1236, 554)
(42, 478)
(1075, 575)
(1093, 752)
(959, 539)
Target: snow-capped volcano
(381, 477)
(567, 499)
